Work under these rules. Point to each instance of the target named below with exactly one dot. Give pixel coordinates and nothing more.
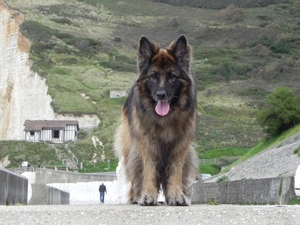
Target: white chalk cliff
(23, 93)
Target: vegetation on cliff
(85, 48)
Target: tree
(282, 112)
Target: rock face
(23, 93)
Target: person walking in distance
(102, 189)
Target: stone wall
(13, 188)
(277, 190)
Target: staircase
(74, 160)
(66, 157)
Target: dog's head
(164, 74)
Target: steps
(66, 157)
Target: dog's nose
(161, 94)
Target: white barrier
(86, 193)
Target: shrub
(173, 22)
(263, 40)
(232, 14)
(282, 112)
(281, 46)
(225, 161)
(117, 39)
(62, 21)
(297, 151)
(223, 178)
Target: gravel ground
(134, 214)
(278, 160)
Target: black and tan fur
(158, 150)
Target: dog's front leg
(149, 192)
(174, 187)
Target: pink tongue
(162, 108)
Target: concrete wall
(39, 194)
(44, 176)
(13, 188)
(277, 190)
(57, 197)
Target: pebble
(143, 215)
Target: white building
(118, 94)
(57, 131)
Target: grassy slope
(223, 52)
(266, 144)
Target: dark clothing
(102, 197)
(102, 188)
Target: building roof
(35, 125)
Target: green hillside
(85, 48)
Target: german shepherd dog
(155, 139)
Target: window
(31, 133)
(55, 134)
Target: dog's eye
(154, 76)
(171, 77)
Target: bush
(223, 178)
(282, 112)
(117, 39)
(62, 21)
(36, 31)
(263, 40)
(225, 161)
(232, 14)
(281, 46)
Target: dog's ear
(146, 51)
(181, 51)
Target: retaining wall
(277, 190)
(45, 176)
(13, 188)
(57, 197)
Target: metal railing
(214, 160)
(56, 152)
(74, 158)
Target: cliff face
(23, 93)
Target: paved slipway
(278, 160)
(143, 215)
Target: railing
(209, 161)
(74, 158)
(56, 152)
(214, 160)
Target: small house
(118, 94)
(57, 131)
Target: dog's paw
(132, 201)
(147, 199)
(179, 200)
